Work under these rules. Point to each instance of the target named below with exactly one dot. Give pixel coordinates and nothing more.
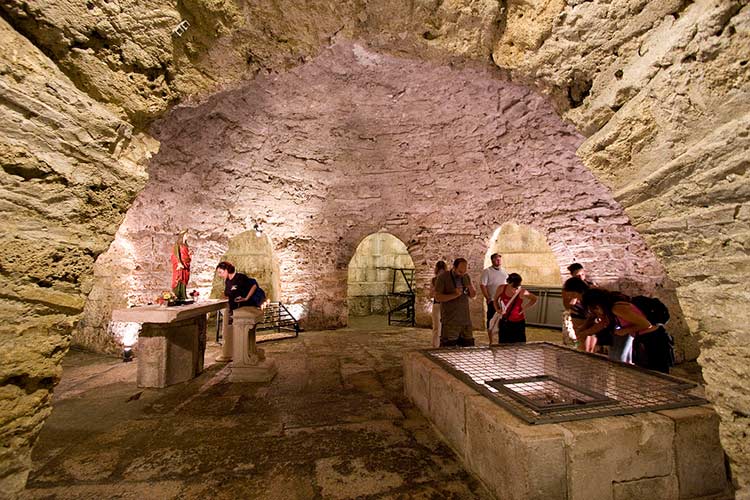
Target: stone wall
(252, 254)
(123, 52)
(370, 273)
(69, 169)
(436, 156)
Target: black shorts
(654, 350)
(512, 331)
(604, 337)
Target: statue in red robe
(180, 259)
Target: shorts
(456, 335)
(512, 332)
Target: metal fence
(548, 310)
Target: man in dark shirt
(576, 270)
(240, 289)
(453, 290)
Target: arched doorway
(252, 254)
(380, 267)
(525, 251)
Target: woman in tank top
(511, 302)
(625, 321)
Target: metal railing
(548, 310)
(276, 317)
(402, 299)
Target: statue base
(180, 303)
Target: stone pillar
(249, 363)
(227, 338)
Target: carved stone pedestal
(249, 363)
(226, 338)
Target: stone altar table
(172, 341)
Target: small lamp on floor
(127, 354)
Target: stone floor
(334, 423)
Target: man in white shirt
(492, 277)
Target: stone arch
(113, 289)
(648, 142)
(370, 275)
(252, 253)
(525, 251)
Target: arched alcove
(525, 251)
(371, 274)
(252, 254)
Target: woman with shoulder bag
(511, 302)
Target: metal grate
(545, 383)
(545, 393)
(401, 309)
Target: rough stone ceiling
(353, 142)
(659, 88)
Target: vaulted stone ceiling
(353, 142)
(660, 90)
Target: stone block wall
(371, 275)
(251, 254)
(440, 162)
(526, 252)
(646, 455)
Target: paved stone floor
(334, 423)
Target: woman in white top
(440, 267)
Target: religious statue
(180, 259)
